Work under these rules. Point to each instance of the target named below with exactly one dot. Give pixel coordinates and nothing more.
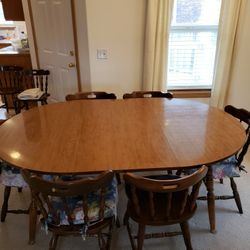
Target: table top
(122, 135)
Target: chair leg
(17, 106)
(6, 103)
(44, 102)
(236, 195)
(101, 242)
(209, 182)
(15, 102)
(117, 222)
(125, 218)
(26, 105)
(141, 234)
(186, 235)
(131, 238)
(5, 203)
(53, 242)
(32, 221)
(109, 236)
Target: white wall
(118, 26)
(239, 90)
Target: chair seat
(75, 205)
(11, 176)
(41, 98)
(226, 168)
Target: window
(192, 44)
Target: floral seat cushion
(11, 176)
(226, 168)
(75, 205)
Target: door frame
(29, 19)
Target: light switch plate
(102, 54)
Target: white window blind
(192, 43)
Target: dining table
(123, 135)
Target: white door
(55, 43)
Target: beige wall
(118, 26)
(239, 90)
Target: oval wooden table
(122, 135)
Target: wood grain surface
(133, 134)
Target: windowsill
(191, 93)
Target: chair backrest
(1, 122)
(43, 192)
(244, 116)
(148, 94)
(10, 79)
(163, 200)
(90, 96)
(36, 78)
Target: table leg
(210, 199)
(32, 221)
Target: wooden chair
(90, 96)
(35, 78)
(231, 167)
(84, 207)
(1, 122)
(10, 177)
(10, 85)
(148, 94)
(161, 202)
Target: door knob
(72, 65)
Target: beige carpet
(233, 229)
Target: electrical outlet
(102, 54)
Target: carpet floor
(233, 229)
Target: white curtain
(158, 20)
(229, 17)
